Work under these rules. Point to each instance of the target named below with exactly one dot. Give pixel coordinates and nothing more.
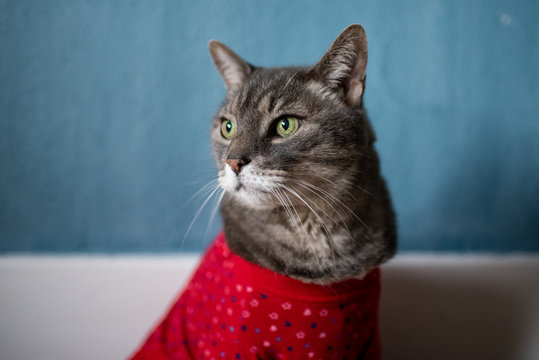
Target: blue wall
(105, 109)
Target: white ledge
(433, 306)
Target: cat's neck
(320, 242)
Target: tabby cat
(303, 194)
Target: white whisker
(288, 82)
(215, 206)
(332, 197)
(349, 183)
(197, 214)
(322, 223)
(345, 228)
(297, 220)
(205, 189)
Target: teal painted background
(105, 109)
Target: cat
(303, 192)
(307, 219)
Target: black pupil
(228, 126)
(285, 124)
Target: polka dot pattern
(232, 309)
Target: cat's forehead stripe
(253, 98)
(265, 100)
(263, 92)
(248, 101)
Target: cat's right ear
(233, 68)
(342, 68)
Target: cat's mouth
(238, 187)
(251, 186)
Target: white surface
(461, 308)
(77, 308)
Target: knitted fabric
(234, 309)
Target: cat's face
(291, 136)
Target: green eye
(228, 129)
(287, 125)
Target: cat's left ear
(233, 68)
(343, 66)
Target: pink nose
(237, 164)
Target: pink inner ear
(354, 92)
(356, 81)
(230, 69)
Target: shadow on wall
(475, 311)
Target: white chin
(243, 190)
(252, 199)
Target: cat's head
(287, 133)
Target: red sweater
(234, 309)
